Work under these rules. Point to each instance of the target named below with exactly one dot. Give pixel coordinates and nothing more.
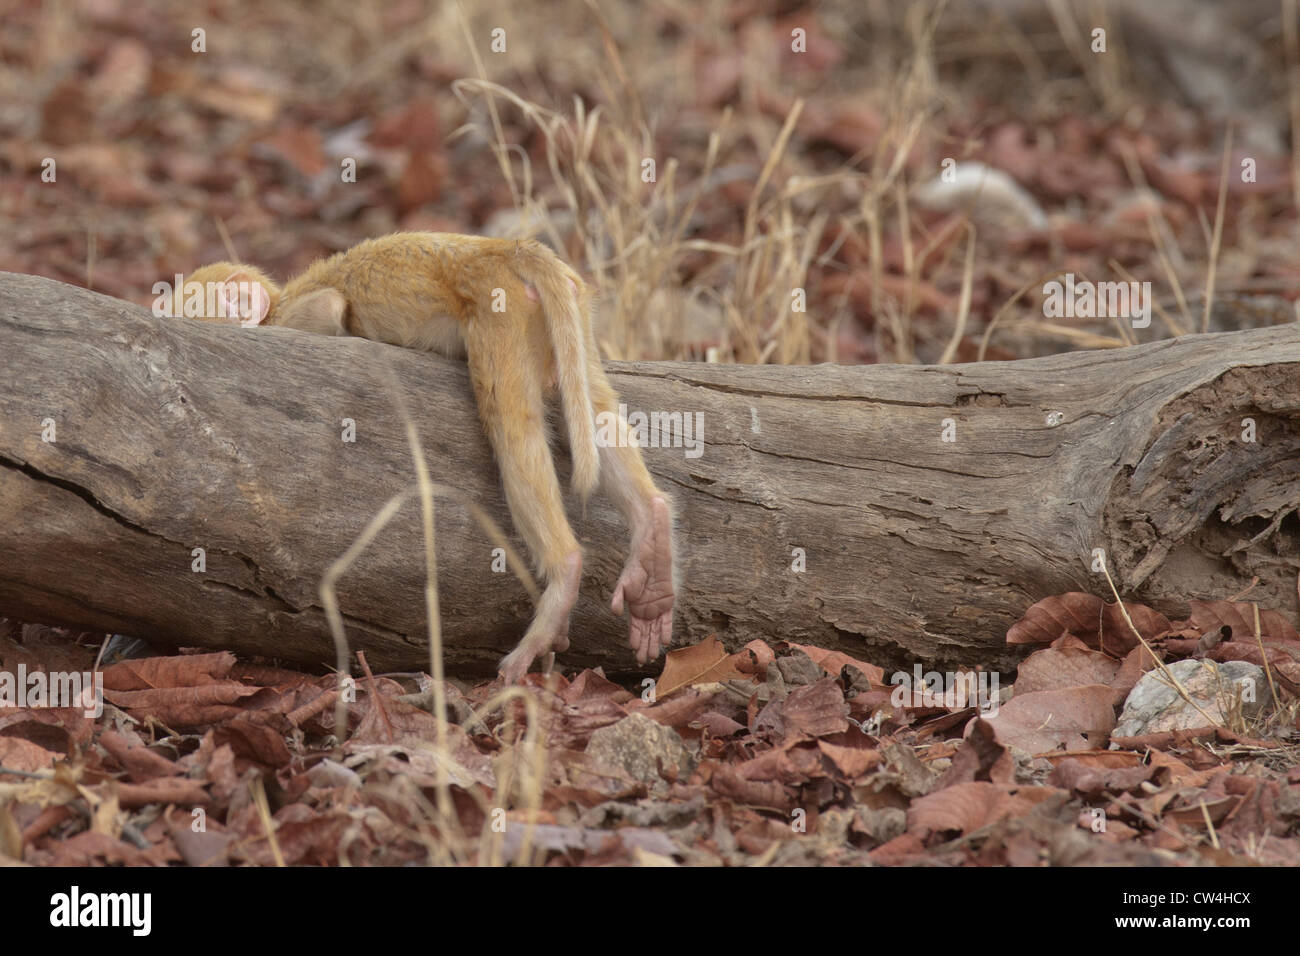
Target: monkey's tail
(558, 289)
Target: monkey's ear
(246, 299)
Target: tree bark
(172, 435)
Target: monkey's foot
(647, 585)
(549, 630)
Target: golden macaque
(437, 292)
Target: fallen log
(897, 513)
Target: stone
(639, 746)
(1154, 706)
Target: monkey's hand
(647, 585)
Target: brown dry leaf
(851, 762)
(857, 287)
(849, 124)
(1258, 810)
(590, 781)
(90, 849)
(716, 725)
(237, 100)
(1282, 659)
(415, 743)
(217, 766)
(255, 736)
(1186, 742)
(162, 792)
(907, 848)
(681, 709)
(299, 146)
(68, 115)
(44, 649)
(414, 126)
(184, 706)
(754, 657)
(864, 705)
(703, 663)
(1169, 769)
(1067, 663)
(821, 51)
(1136, 663)
(832, 662)
(123, 74)
(965, 807)
(762, 837)
(1197, 806)
(206, 848)
(717, 75)
(183, 670)
(1095, 622)
(99, 163)
(954, 718)
(421, 180)
(817, 710)
(729, 782)
(1090, 779)
(305, 836)
(19, 754)
(1240, 616)
(53, 728)
(980, 757)
(1186, 185)
(793, 763)
(1049, 721)
(583, 719)
(590, 684)
(1007, 148)
(1104, 759)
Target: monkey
(436, 292)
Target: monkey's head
(227, 292)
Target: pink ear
(246, 311)
(259, 304)
(230, 300)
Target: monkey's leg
(646, 584)
(321, 312)
(508, 390)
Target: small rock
(1154, 706)
(638, 746)
(988, 195)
